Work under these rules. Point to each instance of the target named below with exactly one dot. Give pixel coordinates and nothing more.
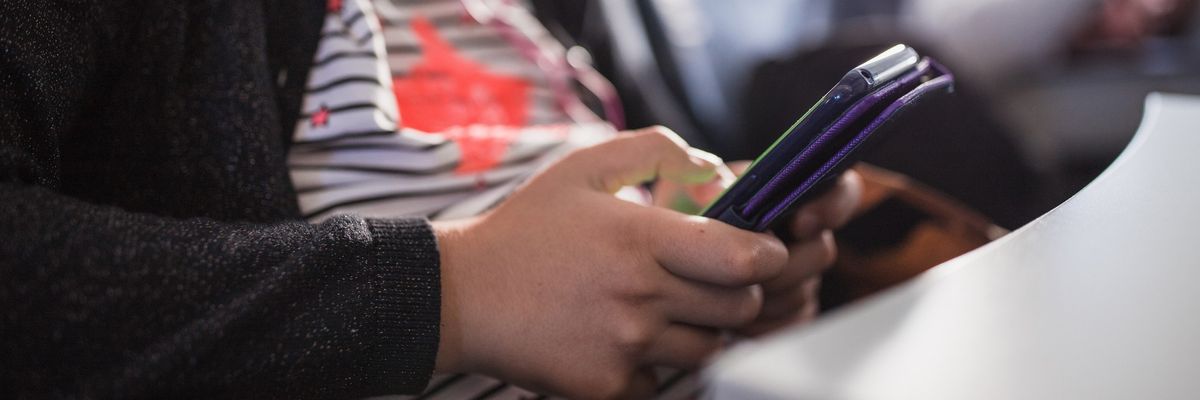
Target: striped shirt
(356, 149)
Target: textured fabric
(150, 241)
(349, 92)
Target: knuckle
(660, 137)
(579, 156)
(639, 288)
(632, 335)
(628, 222)
(639, 279)
(774, 254)
(659, 130)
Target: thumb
(641, 156)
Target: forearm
(101, 302)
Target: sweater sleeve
(99, 302)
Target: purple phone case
(942, 81)
(856, 111)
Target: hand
(566, 289)
(791, 297)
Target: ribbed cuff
(407, 303)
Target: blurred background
(1049, 91)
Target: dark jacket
(150, 241)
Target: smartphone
(824, 141)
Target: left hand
(790, 298)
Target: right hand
(568, 290)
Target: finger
(707, 250)
(690, 199)
(666, 194)
(799, 312)
(709, 305)
(785, 304)
(684, 347)
(709, 192)
(832, 210)
(805, 260)
(726, 176)
(641, 156)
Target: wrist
(449, 236)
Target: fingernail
(705, 160)
(726, 175)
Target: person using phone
(152, 244)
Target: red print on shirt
(334, 6)
(321, 117)
(446, 90)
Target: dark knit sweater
(150, 243)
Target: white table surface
(1098, 299)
